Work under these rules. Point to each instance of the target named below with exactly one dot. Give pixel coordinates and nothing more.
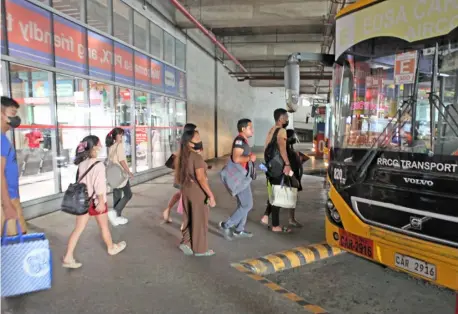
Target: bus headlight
(333, 213)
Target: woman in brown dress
(191, 175)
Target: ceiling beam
(273, 39)
(276, 51)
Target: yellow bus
(393, 168)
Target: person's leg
(186, 228)
(127, 196)
(166, 214)
(69, 260)
(244, 204)
(112, 214)
(292, 218)
(265, 218)
(113, 249)
(246, 200)
(276, 221)
(199, 223)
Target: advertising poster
(142, 71)
(29, 31)
(124, 70)
(157, 75)
(70, 45)
(100, 53)
(170, 80)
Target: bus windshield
(382, 96)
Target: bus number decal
(339, 176)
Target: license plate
(415, 266)
(355, 243)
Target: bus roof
(358, 5)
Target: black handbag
(170, 163)
(272, 157)
(76, 200)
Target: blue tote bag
(26, 263)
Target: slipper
(185, 249)
(264, 224)
(208, 253)
(117, 248)
(283, 230)
(71, 265)
(295, 224)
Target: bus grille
(417, 223)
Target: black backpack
(272, 157)
(76, 200)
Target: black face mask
(285, 124)
(15, 121)
(198, 146)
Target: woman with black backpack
(91, 172)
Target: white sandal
(72, 264)
(117, 248)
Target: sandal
(208, 253)
(71, 265)
(186, 249)
(117, 248)
(283, 230)
(166, 218)
(295, 223)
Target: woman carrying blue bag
(26, 263)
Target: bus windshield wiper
(368, 158)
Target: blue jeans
(244, 205)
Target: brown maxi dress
(195, 211)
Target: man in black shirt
(241, 154)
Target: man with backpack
(278, 165)
(241, 154)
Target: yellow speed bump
(288, 259)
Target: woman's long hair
(181, 163)
(111, 137)
(85, 147)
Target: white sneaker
(112, 217)
(122, 220)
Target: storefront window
(123, 118)
(180, 118)
(102, 116)
(142, 112)
(73, 121)
(34, 139)
(3, 82)
(156, 38)
(158, 120)
(141, 31)
(180, 54)
(97, 14)
(170, 130)
(70, 7)
(122, 21)
(169, 48)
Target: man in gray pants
(241, 153)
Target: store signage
(170, 80)
(142, 71)
(157, 75)
(405, 19)
(124, 71)
(69, 43)
(29, 31)
(100, 53)
(405, 67)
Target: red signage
(405, 67)
(157, 75)
(124, 71)
(69, 43)
(142, 71)
(29, 31)
(100, 51)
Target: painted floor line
(309, 307)
(288, 259)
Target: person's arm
(100, 186)
(199, 166)
(281, 141)
(237, 156)
(123, 159)
(8, 209)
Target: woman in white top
(95, 180)
(122, 194)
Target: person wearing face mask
(11, 204)
(276, 142)
(241, 154)
(191, 175)
(95, 180)
(123, 194)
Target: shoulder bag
(272, 157)
(116, 176)
(76, 199)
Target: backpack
(76, 200)
(272, 157)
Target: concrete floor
(153, 276)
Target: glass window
(4, 80)
(170, 130)
(141, 31)
(34, 140)
(156, 38)
(70, 7)
(123, 118)
(73, 118)
(141, 130)
(102, 116)
(180, 118)
(169, 48)
(180, 54)
(121, 19)
(158, 120)
(98, 15)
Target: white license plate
(415, 266)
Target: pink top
(95, 179)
